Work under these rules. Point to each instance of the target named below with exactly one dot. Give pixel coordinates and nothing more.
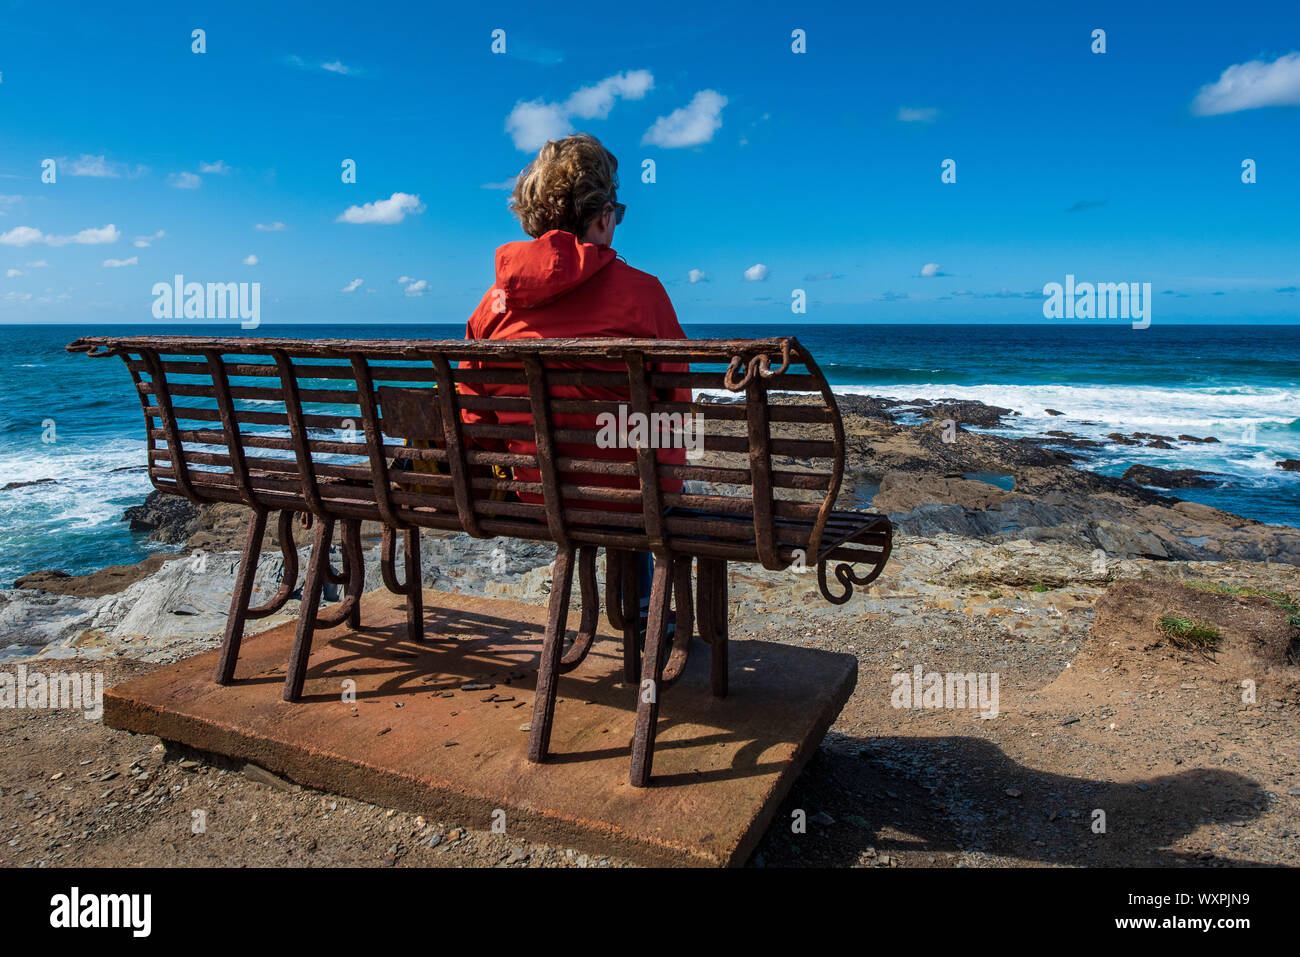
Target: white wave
(87, 484)
(1224, 411)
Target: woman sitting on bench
(567, 282)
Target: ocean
(76, 420)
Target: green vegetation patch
(1188, 633)
(1287, 603)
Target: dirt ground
(1156, 738)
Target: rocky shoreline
(921, 463)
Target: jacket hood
(535, 271)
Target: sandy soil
(1114, 719)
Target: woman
(567, 282)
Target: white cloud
(595, 102)
(13, 273)
(756, 273)
(417, 288)
(27, 235)
(506, 184)
(693, 124)
(331, 66)
(88, 237)
(119, 263)
(87, 165)
(275, 227)
(39, 264)
(185, 180)
(144, 242)
(697, 275)
(383, 211)
(249, 260)
(21, 236)
(1251, 85)
(929, 270)
(98, 167)
(405, 279)
(917, 114)
(352, 286)
(219, 167)
(531, 123)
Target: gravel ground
(1154, 738)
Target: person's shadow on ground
(937, 797)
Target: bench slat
(309, 414)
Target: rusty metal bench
(313, 428)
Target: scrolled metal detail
(845, 576)
(758, 365)
(289, 575)
(89, 348)
(577, 651)
(387, 563)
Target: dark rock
(1289, 465)
(106, 581)
(1159, 444)
(1153, 436)
(868, 406)
(1053, 412)
(1120, 439)
(1192, 438)
(167, 518)
(1167, 478)
(967, 412)
(13, 485)
(1071, 440)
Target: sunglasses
(619, 210)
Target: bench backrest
(316, 426)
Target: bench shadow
(467, 646)
(938, 796)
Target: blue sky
(821, 167)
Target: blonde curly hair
(566, 187)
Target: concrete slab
(414, 739)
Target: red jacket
(556, 287)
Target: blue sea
(1240, 384)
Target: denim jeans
(645, 566)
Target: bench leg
(243, 594)
(712, 614)
(414, 585)
(317, 568)
(614, 588)
(647, 708)
(631, 598)
(548, 669)
(352, 552)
